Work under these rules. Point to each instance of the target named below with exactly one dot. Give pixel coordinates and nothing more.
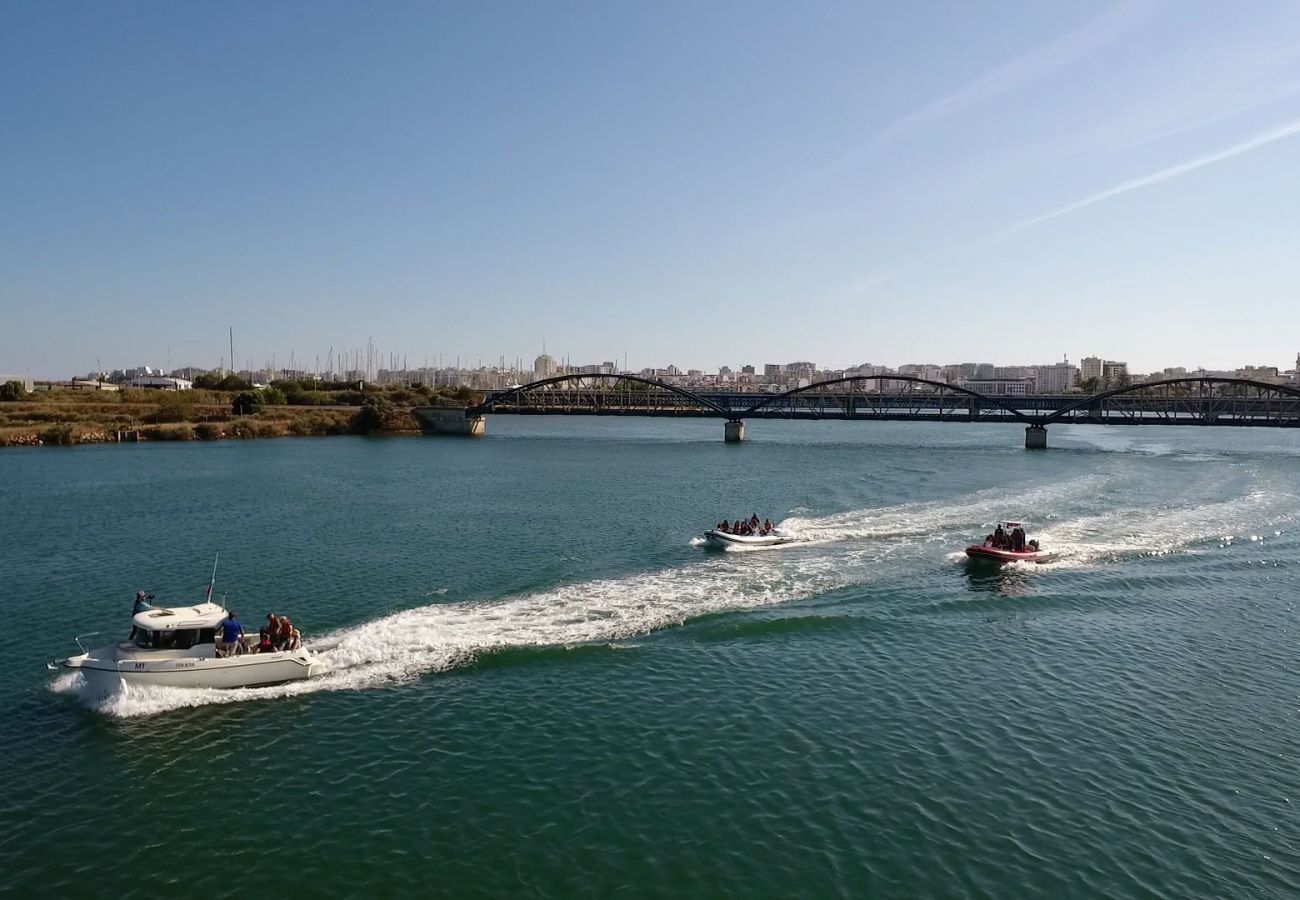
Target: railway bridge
(1203, 401)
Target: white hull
(726, 539)
(108, 667)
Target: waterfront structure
(160, 383)
(1183, 401)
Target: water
(540, 688)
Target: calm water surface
(541, 688)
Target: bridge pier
(734, 431)
(1036, 437)
(435, 420)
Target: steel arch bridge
(1193, 400)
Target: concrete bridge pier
(434, 420)
(1036, 437)
(734, 431)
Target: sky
(698, 184)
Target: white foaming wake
(1088, 540)
(439, 637)
(408, 644)
(912, 519)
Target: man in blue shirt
(231, 630)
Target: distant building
(543, 367)
(21, 379)
(1003, 387)
(160, 383)
(1056, 378)
(1267, 374)
(747, 370)
(1090, 368)
(772, 370)
(1114, 374)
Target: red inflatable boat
(986, 550)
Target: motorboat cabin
(177, 647)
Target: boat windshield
(181, 639)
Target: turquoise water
(541, 688)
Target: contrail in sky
(1065, 50)
(1259, 140)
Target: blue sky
(688, 183)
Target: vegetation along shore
(232, 410)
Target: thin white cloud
(1064, 51)
(1254, 143)
(1059, 53)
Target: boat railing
(80, 636)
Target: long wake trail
(842, 550)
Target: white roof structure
(179, 618)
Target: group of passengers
(277, 634)
(1013, 540)
(747, 527)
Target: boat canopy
(176, 618)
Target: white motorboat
(715, 538)
(176, 647)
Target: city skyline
(664, 182)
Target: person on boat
(1018, 539)
(999, 538)
(284, 637)
(724, 527)
(142, 602)
(768, 526)
(266, 636)
(753, 520)
(231, 631)
(988, 540)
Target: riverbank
(134, 416)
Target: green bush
(273, 397)
(12, 390)
(246, 403)
(207, 431)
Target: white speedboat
(715, 538)
(176, 647)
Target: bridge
(1171, 401)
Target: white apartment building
(1055, 378)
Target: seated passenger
(753, 521)
(768, 526)
(724, 527)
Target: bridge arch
(515, 393)
(992, 401)
(1204, 381)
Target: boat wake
(445, 636)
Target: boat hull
(990, 554)
(724, 539)
(107, 668)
